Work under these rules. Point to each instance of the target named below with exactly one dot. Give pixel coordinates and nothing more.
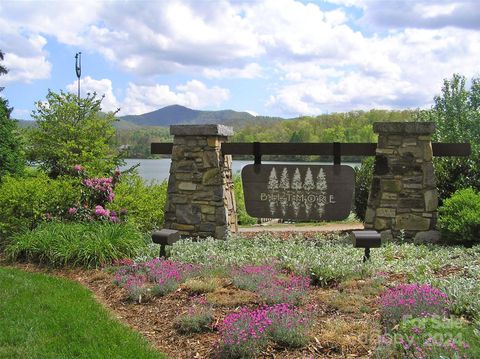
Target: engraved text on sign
(298, 192)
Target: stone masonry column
(200, 199)
(403, 196)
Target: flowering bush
(96, 193)
(245, 333)
(414, 300)
(159, 277)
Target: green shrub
(12, 158)
(27, 201)
(242, 215)
(460, 216)
(363, 181)
(463, 295)
(144, 202)
(79, 244)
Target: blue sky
(274, 57)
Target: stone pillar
(200, 199)
(403, 196)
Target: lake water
(158, 169)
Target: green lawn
(47, 317)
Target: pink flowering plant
(289, 289)
(243, 334)
(249, 277)
(158, 277)
(289, 325)
(411, 300)
(96, 193)
(270, 284)
(167, 275)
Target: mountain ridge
(177, 114)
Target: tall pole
(78, 69)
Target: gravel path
(328, 227)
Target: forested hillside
(354, 126)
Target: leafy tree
(73, 131)
(11, 155)
(456, 113)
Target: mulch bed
(154, 321)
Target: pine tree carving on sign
(322, 188)
(285, 186)
(296, 186)
(308, 186)
(272, 188)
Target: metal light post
(78, 68)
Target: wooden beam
(451, 149)
(305, 149)
(281, 148)
(161, 148)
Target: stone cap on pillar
(406, 128)
(201, 130)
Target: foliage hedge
(144, 202)
(78, 244)
(242, 215)
(27, 201)
(363, 181)
(459, 216)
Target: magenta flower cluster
(270, 284)
(244, 333)
(289, 289)
(102, 187)
(411, 300)
(160, 276)
(95, 195)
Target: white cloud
(463, 14)
(24, 58)
(102, 87)
(140, 99)
(319, 60)
(249, 71)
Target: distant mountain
(176, 114)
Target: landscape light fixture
(78, 69)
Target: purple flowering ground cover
(286, 316)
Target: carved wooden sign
(298, 192)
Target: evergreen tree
(12, 159)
